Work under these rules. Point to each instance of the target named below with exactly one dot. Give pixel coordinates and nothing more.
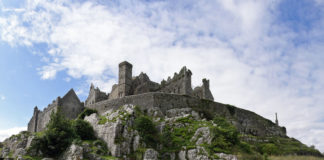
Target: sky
(264, 56)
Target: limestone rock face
(151, 154)
(74, 152)
(197, 153)
(202, 135)
(116, 130)
(226, 156)
(16, 145)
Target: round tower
(124, 79)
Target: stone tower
(277, 123)
(125, 79)
(206, 91)
(186, 85)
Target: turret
(125, 79)
(187, 81)
(206, 91)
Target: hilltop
(142, 119)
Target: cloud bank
(8, 132)
(253, 59)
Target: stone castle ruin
(128, 85)
(173, 93)
(71, 107)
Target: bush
(86, 112)
(57, 137)
(146, 130)
(225, 136)
(270, 149)
(83, 129)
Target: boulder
(202, 135)
(74, 152)
(151, 154)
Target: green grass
(32, 158)
(295, 158)
(103, 120)
(109, 158)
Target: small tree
(146, 130)
(83, 129)
(58, 135)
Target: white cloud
(251, 59)
(5, 133)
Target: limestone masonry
(175, 92)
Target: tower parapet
(95, 95)
(203, 91)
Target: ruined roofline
(127, 85)
(71, 92)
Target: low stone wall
(246, 121)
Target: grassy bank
(295, 158)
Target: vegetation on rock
(58, 135)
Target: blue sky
(265, 56)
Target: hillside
(135, 132)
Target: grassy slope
(294, 158)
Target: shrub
(57, 137)
(83, 129)
(270, 149)
(225, 136)
(86, 112)
(146, 130)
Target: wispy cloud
(253, 59)
(8, 132)
(2, 97)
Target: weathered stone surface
(245, 121)
(197, 153)
(151, 154)
(115, 129)
(226, 156)
(71, 107)
(202, 135)
(74, 152)
(16, 144)
(95, 95)
(19, 152)
(182, 155)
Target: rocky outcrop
(74, 152)
(114, 128)
(151, 154)
(16, 145)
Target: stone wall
(246, 121)
(179, 84)
(71, 107)
(95, 95)
(203, 91)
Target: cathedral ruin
(128, 85)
